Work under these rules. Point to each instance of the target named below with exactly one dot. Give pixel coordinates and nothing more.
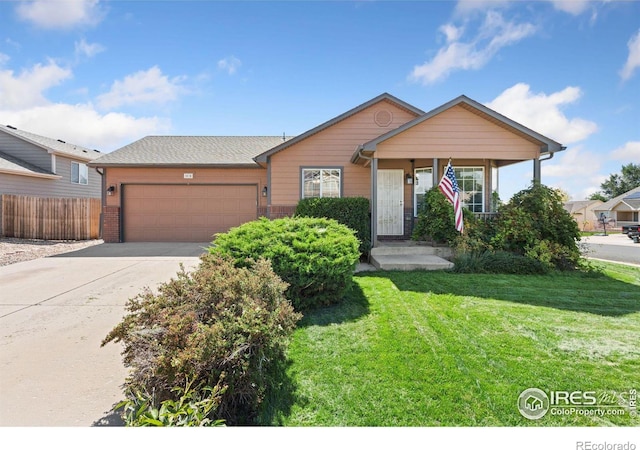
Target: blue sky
(105, 73)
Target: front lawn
(445, 349)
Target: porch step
(407, 249)
(410, 262)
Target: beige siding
(459, 134)
(332, 147)
(125, 175)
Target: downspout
(102, 198)
(372, 195)
(537, 164)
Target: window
(79, 173)
(422, 184)
(321, 182)
(471, 184)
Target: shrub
(436, 219)
(315, 256)
(498, 262)
(193, 408)
(350, 211)
(535, 223)
(217, 326)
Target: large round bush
(315, 256)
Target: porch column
(434, 172)
(536, 171)
(374, 201)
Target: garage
(185, 213)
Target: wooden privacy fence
(73, 219)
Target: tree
(618, 184)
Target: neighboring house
(39, 166)
(171, 188)
(583, 213)
(623, 210)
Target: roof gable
(262, 158)
(54, 146)
(546, 144)
(611, 204)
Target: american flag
(449, 187)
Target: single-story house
(187, 188)
(38, 166)
(583, 213)
(623, 210)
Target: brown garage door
(180, 213)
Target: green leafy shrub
(315, 256)
(535, 223)
(436, 219)
(350, 211)
(498, 262)
(193, 408)
(216, 326)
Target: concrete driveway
(54, 313)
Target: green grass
(445, 349)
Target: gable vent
(383, 118)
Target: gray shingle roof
(190, 151)
(9, 164)
(55, 145)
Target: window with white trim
(79, 173)
(423, 182)
(321, 182)
(471, 184)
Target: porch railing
(485, 215)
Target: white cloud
(230, 64)
(23, 104)
(4, 59)
(576, 171)
(27, 88)
(83, 48)
(145, 86)
(60, 14)
(543, 113)
(633, 60)
(574, 7)
(81, 124)
(629, 151)
(494, 34)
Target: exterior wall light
(264, 191)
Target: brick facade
(111, 224)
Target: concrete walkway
(54, 314)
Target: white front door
(390, 203)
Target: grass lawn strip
(443, 349)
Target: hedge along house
(166, 188)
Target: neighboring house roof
(190, 150)
(546, 144)
(631, 198)
(382, 97)
(15, 166)
(576, 206)
(55, 146)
